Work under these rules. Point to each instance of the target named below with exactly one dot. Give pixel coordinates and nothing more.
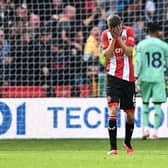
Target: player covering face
(118, 41)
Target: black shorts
(120, 91)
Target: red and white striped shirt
(120, 65)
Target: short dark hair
(153, 27)
(113, 21)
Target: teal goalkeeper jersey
(151, 57)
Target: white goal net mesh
(52, 48)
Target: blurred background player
(118, 41)
(152, 54)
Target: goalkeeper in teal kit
(151, 58)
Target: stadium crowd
(57, 42)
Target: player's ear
(160, 34)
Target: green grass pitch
(81, 153)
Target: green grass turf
(81, 153)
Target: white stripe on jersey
(113, 66)
(126, 70)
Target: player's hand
(116, 32)
(137, 85)
(114, 35)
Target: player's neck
(154, 35)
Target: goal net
(52, 48)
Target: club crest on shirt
(109, 36)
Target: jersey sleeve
(130, 39)
(105, 42)
(166, 53)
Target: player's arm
(137, 62)
(127, 49)
(108, 52)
